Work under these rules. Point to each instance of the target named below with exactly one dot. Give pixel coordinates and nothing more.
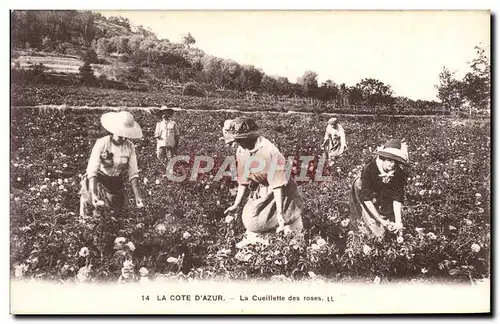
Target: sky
(403, 49)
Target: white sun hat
(121, 124)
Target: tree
(477, 84)
(450, 90)
(375, 92)
(189, 40)
(308, 81)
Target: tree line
(160, 61)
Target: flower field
(182, 232)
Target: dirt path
(150, 109)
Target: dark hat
(164, 111)
(240, 127)
(395, 150)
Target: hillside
(56, 45)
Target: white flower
(45, 201)
(120, 242)
(145, 180)
(468, 222)
(20, 269)
(46, 179)
(84, 252)
(61, 187)
(161, 228)
(229, 219)
(131, 246)
(475, 247)
(19, 179)
(400, 239)
(157, 181)
(84, 273)
(66, 180)
(311, 274)
(419, 229)
(478, 195)
(128, 264)
(172, 260)
(314, 247)
(60, 181)
(321, 242)
(345, 222)
(143, 272)
(424, 270)
(452, 228)
(432, 236)
(366, 249)
(376, 280)
(207, 187)
(65, 165)
(186, 235)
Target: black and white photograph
(250, 162)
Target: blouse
(266, 157)
(373, 186)
(166, 131)
(113, 160)
(332, 132)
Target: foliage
(182, 233)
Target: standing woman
(113, 160)
(377, 196)
(275, 203)
(334, 143)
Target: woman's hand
(96, 201)
(139, 202)
(230, 209)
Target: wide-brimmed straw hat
(395, 150)
(121, 124)
(239, 128)
(164, 111)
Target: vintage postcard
(250, 162)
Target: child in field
(167, 137)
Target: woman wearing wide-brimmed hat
(113, 160)
(378, 194)
(334, 143)
(275, 203)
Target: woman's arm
(371, 207)
(242, 190)
(278, 198)
(397, 214)
(135, 190)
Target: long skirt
(110, 190)
(259, 214)
(362, 219)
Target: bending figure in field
(334, 143)
(275, 202)
(167, 137)
(377, 196)
(112, 161)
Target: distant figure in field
(167, 136)
(112, 161)
(334, 143)
(377, 196)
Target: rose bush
(182, 232)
